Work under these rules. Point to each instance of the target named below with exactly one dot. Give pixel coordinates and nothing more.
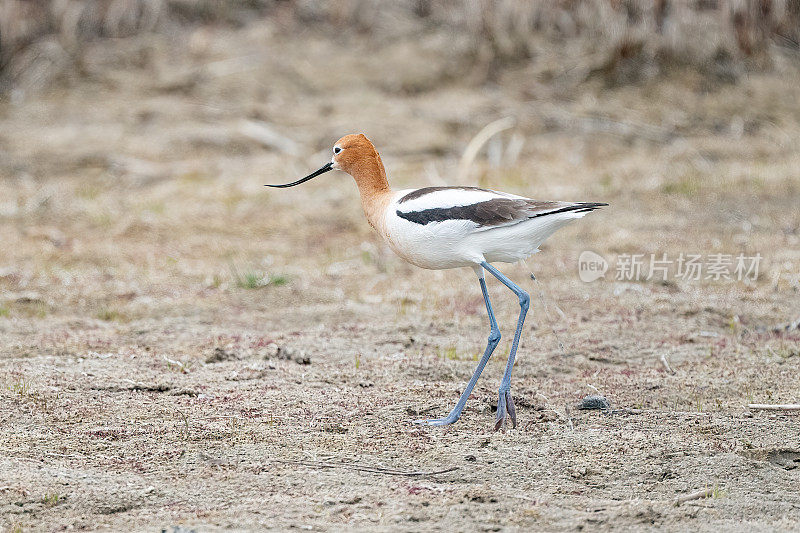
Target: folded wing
(484, 208)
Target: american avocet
(449, 227)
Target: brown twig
(364, 468)
(624, 411)
(477, 142)
(774, 407)
(700, 494)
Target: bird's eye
(336, 150)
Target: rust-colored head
(353, 152)
(356, 155)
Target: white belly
(458, 243)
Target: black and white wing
(482, 207)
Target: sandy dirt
(182, 349)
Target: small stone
(470, 458)
(594, 401)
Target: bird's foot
(446, 421)
(505, 408)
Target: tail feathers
(585, 207)
(577, 207)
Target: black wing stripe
(473, 212)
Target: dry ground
(171, 332)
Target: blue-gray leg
(505, 405)
(494, 339)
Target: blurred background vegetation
(619, 41)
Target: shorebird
(451, 227)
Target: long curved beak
(323, 170)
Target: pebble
(594, 401)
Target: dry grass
(147, 383)
(622, 41)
